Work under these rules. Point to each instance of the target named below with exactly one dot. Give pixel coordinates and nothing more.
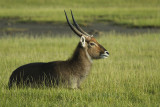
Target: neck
(81, 57)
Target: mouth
(104, 56)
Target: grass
(133, 13)
(129, 77)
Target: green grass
(137, 13)
(129, 77)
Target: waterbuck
(70, 72)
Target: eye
(92, 44)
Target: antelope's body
(70, 72)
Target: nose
(106, 52)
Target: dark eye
(92, 44)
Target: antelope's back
(33, 73)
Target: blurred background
(96, 17)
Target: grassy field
(129, 77)
(135, 13)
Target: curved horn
(72, 27)
(78, 27)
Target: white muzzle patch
(105, 55)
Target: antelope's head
(94, 49)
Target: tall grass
(124, 12)
(129, 77)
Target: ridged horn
(72, 27)
(78, 27)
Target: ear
(83, 41)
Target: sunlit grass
(129, 77)
(124, 12)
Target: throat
(88, 56)
(81, 57)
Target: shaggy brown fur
(71, 71)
